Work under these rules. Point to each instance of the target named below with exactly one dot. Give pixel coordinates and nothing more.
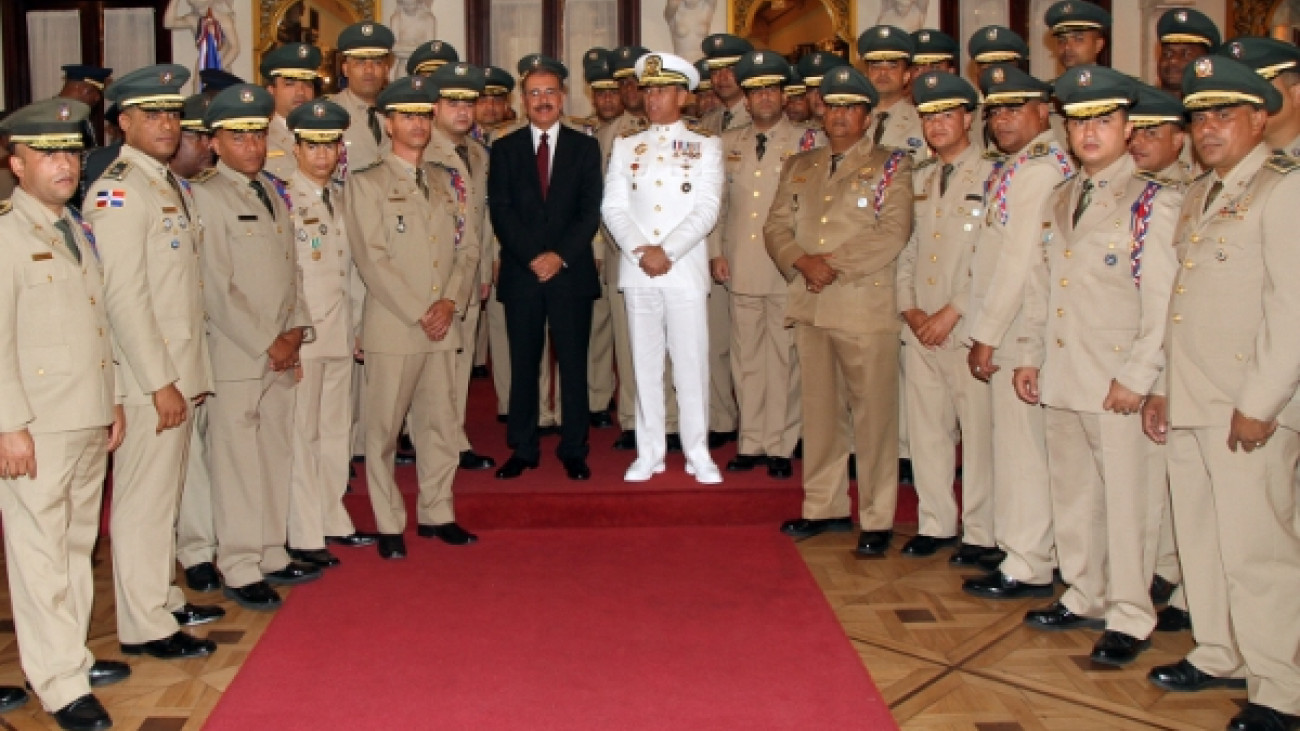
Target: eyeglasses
(543, 92)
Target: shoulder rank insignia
(1151, 177)
(1282, 163)
(5, 207)
(927, 162)
(1039, 149)
(694, 126)
(1202, 175)
(374, 164)
(993, 154)
(118, 170)
(204, 176)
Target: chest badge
(1111, 260)
(686, 187)
(401, 225)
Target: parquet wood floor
(944, 661)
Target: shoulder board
(1151, 177)
(993, 154)
(5, 207)
(1282, 163)
(1039, 149)
(694, 126)
(1202, 175)
(638, 129)
(927, 162)
(1061, 184)
(374, 164)
(204, 176)
(117, 171)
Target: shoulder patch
(694, 126)
(1039, 149)
(204, 176)
(5, 207)
(118, 170)
(1282, 163)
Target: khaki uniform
(360, 148)
(280, 161)
(405, 248)
(7, 182)
(944, 404)
(766, 368)
(1006, 252)
(600, 349)
(1229, 346)
(1087, 323)
(57, 381)
(902, 129)
(323, 407)
(154, 293)
(252, 294)
(846, 335)
(196, 532)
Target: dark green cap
(292, 61)
(1072, 15)
(413, 94)
(319, 120)
(996, 44)
(50, 124)
(813, 66)
(1268, 56)
(846, 85)
(151, 87)
(885, 43)
(240, 107)
(429, 56)
(1155, 107)
(598, 70)
(93, 75)
(1187, 25)
(1219, 81)
(497, 81)
(196, 105)
(706, 83)
(623, 60)
(538, 62)
(366, 39)
(460, 80)
(1088, 91)
(934, 46)
(939, 91)
(795, 86)
(1005, 85)
(758, 69)
(724, 49)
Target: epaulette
(637, 128)
(1202, 175)
(5, 207)
(927, 162)
(1062, 184)
(993, 154)
(117, 171)
(694, 126)
(1282, 163)
(1039, 149)
(1151, 177)
(204, 176)
(373, 164)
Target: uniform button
(92, 300)
(1180, 289)
(930, 280)
(756, 194)
(1189, 264)
(823, 219)
(1060, 312)
(656, 232)
(435, 288)
(40, 371)
(1110, 245)
(753, 236)
(821, 242)
(103, 365)
(1240, 356)
(1060, 343)
(877, 283)
(758, 173)
(1065, 282)
(1067, 253)
(167, 341)
(934, 257)
(659, 182)
(1196, 239)
(658, 208)
(1222, 240)
(938, 235)
(827, 199)
(1177, 318)
(753, 214)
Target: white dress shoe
(706, 475)
(641, 471)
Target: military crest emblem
(931, 81)
(246, 96)
(999, 75)
(64, 113)
(318, 110)
(1234, 48)
(1181, 16)
(367, 30)
(1085, 78)
(991, 34)
(653, 65)
(166, 77)
(924, 37)
(1204, 67)
(883, 31)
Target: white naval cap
(665, 69)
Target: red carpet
(662, 628)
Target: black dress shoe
(177, 647)
(601, 420)
(873, 542)
(997, 585)
(479, 371)
(577, 469)
(1173, 619)
(809, 527)
(83, 714)
(503, 418)
(293, 573)
(352, 540)
(108, 672)
(1117, 648)
(968, 554)
(514, 467)
(449, 533)
(922, 546)
(471, 461)
(1255, 717)
(257, 596)
(1161, 589)
(1184, 677)
(12, 698)
(405, 450)
(719, 439)
(315, 556)
(798, 450)
(673, 442)
(780, 468)
(203, 577)
(1057, 617)
(192, 615)
(391, 547)
(993, 558)
(745, 462)
(626, 441)
(905, 472)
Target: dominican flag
(110, 199)
(209, 38)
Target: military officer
(599, 74)
(706, 99)
(290, 74)
(1278, 62)
(942, 400)
(993, 44)
(367, 49)
(1228, 409)
(812, 67)
(934, 50)
(58, 421)
(664, 272)
(430, 56)
(1080, 30)
(887, 53)
(841, 216)
(257, 321)
(1095, 306)
(1033, 166)
(796, 99)
(765, 369)
(401, 219)
(153, 290)
(1185, 34)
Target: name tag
(275, 153)
(43, 256)
(922, 197)
(974, 197)
(396, 199)
(310, 221)
(170, 209)
(248, 218)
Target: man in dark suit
(544, 199)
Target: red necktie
(544, 164)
